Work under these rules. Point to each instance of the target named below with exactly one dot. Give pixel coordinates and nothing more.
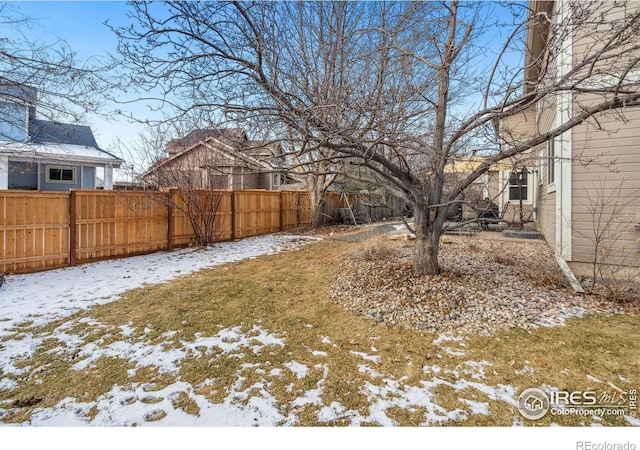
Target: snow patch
(376, 358)
(300, 370)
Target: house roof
(235, 135)
(49, 139)
(231, 142)
(44, 131)
(60, 152)
(68, 135)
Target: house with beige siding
(214, 158)
(492, 185)
(584, 185)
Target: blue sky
(81, 25)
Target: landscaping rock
(485, 286)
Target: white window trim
(551, 185)
(540, 166)
(530, 182)
(50, 181)
(551, 144)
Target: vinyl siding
(605, 167)
(23, 175)
(606, 189)
(606, 180)
(59, 186)
(88, 177)
(518, 128)
(546, 196)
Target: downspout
(573, 281)
(564, 103)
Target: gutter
(62, 159)
(571, 278)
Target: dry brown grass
(288, 295)
(375, 249)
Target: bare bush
(376, 249)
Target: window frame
(522, 186)
(551, 162)
(49, 180)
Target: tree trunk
(316, 203)
(425, 253)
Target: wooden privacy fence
(34, 232)
(370, 207)
(44, 230)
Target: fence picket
(46, 230)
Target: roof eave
(39, 151)
(536, 41)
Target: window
(551, 162)
(23, 175)
(519, 185)
(218, 181)
(61, 174)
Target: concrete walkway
(371, 231)
(399, 228)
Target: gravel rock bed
(485, 286)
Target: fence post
(170, 222)
(298, 208)
(233, 215)
(73, 208)
(281, 211)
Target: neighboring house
(42, 155)
(514, 181)
(584, 184)
(218, 159)
(505, 184)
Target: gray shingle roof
(44, 131)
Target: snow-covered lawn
(33, 300)
(41, 297)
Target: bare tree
(43, 83)
(48, 74)
(193, 179)
(398, 89)
(320, 68)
